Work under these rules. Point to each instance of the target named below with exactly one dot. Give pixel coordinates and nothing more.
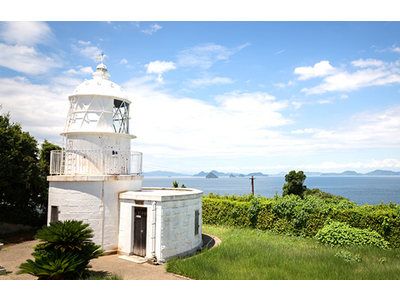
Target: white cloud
(324, 101)
(153, 28)
(206, 81)
(84, 43)
(123, 61)
(282, 85)
(320, 69)
(239, 123)
(204, 56)
(80, 71)
(40, 109)
(345, 81)
(26, 60)
(394, 49)
(306, 130)
(159, 67)
(26, 33)
(367, 63)
(298, 104)
(366, 130)
(84, 49)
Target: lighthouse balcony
(95, 162)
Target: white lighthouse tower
(96, 178)
(96, 162)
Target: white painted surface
(175, 221)
(100, 85)
(93, 201)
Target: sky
(248, 96)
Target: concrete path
(12, 256)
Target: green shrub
(303, 217)
(175, 184)
(253, 211)
(340, 234)
(64, 252)
(348, 256)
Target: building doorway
(140, 231)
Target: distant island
(373, 173)
(259, 174)
(211, 175)
(231, 175)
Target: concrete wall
(94, 202)
(178, 226)
(174, 220)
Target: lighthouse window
(121, 116)
(196, 222)
(54, 214)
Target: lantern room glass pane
(121, 116)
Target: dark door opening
(139, 233)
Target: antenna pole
(252, 184)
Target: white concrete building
(96, 178)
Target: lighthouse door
(139, 239)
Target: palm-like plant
(55, 265)
(65, 236)
(66, 247)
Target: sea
(360, 189)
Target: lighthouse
(97, 178)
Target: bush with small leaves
(340, 234)
(348, 256)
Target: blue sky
(231, 96)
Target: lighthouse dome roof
(100, 85)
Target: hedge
(304, 217)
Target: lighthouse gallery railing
(95, 162)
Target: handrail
(95, 162)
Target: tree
(44, 160)
(44, 165)
(294, 183)
(21, 182)
(175, 184)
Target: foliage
(253, 211)
(44, 159)
(44, 165)
(56, 265)
(340, 234)
(320, 194)
(294, 183)
(64, 245)
(175, 184)
(183, 186)
(22, 184)
(348, 257)
(302, 217)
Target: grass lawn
(262, 255)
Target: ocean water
(362, 190)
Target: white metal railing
(95, 162)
